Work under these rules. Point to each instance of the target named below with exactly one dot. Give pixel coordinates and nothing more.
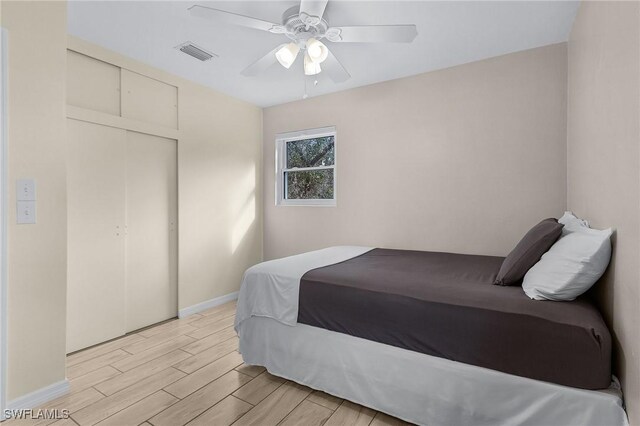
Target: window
(306, 168)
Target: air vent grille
(195, 51)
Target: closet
(122, 202)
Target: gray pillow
(528, 252)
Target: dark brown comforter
(445, 305)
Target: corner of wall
(603, 164)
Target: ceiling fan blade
(334, 69)
(261, 64)
(313, 8)
(234, 19)
(373, 34)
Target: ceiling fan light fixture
(316, 50)
(287, 54)
(311, 67)
(304, 26)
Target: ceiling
(449, 33)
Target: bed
(426, 337)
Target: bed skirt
(416, 387)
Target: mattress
(445, 305)
(419, 388)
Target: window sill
(306, 203)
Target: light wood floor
(188, 371)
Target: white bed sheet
(416, 387)
(271, 289)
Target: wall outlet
(26, 212)
(26, 190)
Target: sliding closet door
(151, 243)
(96, 242)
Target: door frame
(3, 219)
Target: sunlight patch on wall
(246, 214)
(243, 223)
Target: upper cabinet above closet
(92, 84)
(99, 86)
(149, 100)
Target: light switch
(26, 212)
(26, 190)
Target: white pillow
(572, 265)
(572, 223)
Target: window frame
(280, 156)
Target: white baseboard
(207, 304)
(40, 396)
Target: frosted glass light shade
(287, 54)
(317, 51)
(310, 66)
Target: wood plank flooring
(189, 372)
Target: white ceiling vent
(195, 51)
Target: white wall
(464, 159)
(604, 164)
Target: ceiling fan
(305, 27)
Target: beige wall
(464, 159)
(36, 145)
(219, 167)
(604, 163)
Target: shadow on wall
(245, 209)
